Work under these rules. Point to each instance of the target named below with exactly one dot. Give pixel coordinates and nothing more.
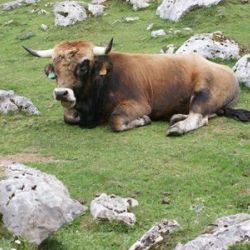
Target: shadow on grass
(51, 244)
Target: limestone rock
(242, 70)
(34, 204)
(225, 232)
(16, 4)
(158, 33)
(68, 13)
(156, 235)
(96, 9)
(98, 1)
(138, 4)
(112, 207)
(130, 19)
(211, 45)
(10, 102)
(44, 27)
(174, 10)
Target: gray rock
(225, 232)
(39, 11)
(169, 49)
(211, 45)
(112, 207)
(130, 19)
(174, 10)
(138, 4)
(242, 70)
(96, 9)
(16, 4)
(156, 235)
(10, 102)
(158, 33)
(150, 26)
(44, 27)
(34, 204)
(98, 1)
(68, 13)
(26, 35)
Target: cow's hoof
(146, 119)
(174, 131)
(176, 118)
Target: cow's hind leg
(129, 115)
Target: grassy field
(209, 168)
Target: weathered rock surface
(112, 207)
(68, 13)
(138, 4)
(156, 235)
(16, 4)
(34, 204)
(174, 10)
(158, 33)
(226, 231)
(10, 102)
(211, 45)
(169, 49)
(98, 1)
(96, 9)
(242, 70)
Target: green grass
(209, 167)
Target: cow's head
(71, 66)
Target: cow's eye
(82, 69)
(49, 71)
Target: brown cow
(128, 90)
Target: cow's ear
(82, 69)
(49, 71)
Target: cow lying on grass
(129, 90)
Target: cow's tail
(242, 115)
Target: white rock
(150, 26)
(169, 49)
(98, 1)
(138, 4)
(68, 13)
(130, 19)
(211, 45)
(96, 9)
(242, 70)
(226, 231)
(174, 10)
(112, 207)
(18, 3)
(34, 204)
(44, 27)
(158, 33)
(156, 235)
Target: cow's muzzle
(66, 96)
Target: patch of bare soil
(27, 157)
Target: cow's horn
(40, 53)
(99, 51)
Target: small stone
(44, 27)
(18, 242)
(150, 26)
(25, 35)
(8, 22)
(165, 201)
(131, 19)
(158, 33)
(243, 1)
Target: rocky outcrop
(242, 70)
(156, 235)
(68, 13)
(174, 10)
(211, 45)
(34, 204)
(10, 102)
(112, 207)
(16, 4)
(225, 232)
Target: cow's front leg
(129, 115)
(176, 118)
(192, 122)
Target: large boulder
(156, 235)
(242, 70)
(112, 207)
(10, 102)
(225, 232)
(34, 204)
(68, 13)
(174, 10)
(16, 4)
(211, 45)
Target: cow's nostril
(65, 92)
